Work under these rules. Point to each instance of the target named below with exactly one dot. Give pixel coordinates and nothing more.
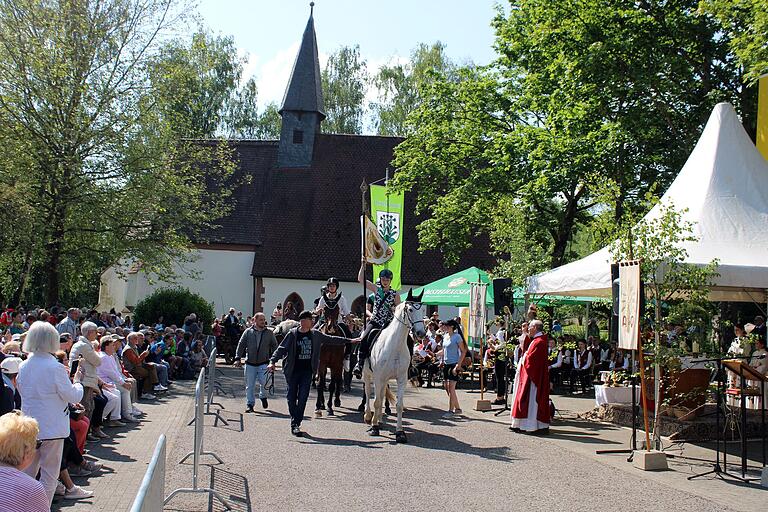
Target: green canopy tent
(454, 289)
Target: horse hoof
(337, 403)
(374, 431)
(400, 437)
(368, 417)
(361, 408)
(318, 413)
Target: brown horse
(331, 358)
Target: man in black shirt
(300, 351)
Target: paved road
(474, 463)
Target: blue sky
(269, 31)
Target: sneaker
(249, 409)
(264, 403)
(137, 412)
(114, 423)
(77, 493)
(60, 489)
(79, 471)
(296, 431)
(457, 412)
(91, 437)
(92, 466)
(160, 387)
(448, 415)
(100, 433)
(499, 401)
(148, 396)
(129, 418)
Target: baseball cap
(10, 365)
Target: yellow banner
(762, 116)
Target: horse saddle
(373, 336)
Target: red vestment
(535, 369)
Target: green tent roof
(454, 289)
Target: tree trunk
(563, 233)
(15, 299)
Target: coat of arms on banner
(388, 224)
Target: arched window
(298, 306)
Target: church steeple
(302, 108)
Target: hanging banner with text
(629, 304)
(387, 213)
(477, 313)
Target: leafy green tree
(101, 168)
(194, 82)
(345, 82)
(244, 119)
(745, 23)
(589, 107)
(399, 86)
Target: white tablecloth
(614, 395)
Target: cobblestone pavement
(471, 463)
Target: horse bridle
(411, 323)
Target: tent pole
(586, 326)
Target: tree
(659, 242)
(345, 81)
(589, 107)
(746, 24)
(244, 119)
(100, 167)
(399, 86)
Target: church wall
(222, 277)
(277, 289)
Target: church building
(296, 221)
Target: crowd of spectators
(68, 379)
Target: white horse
(389, 359)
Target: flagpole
(386, 185)
(363, 191)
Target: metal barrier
(211, 371)
(197, 448)
(152, 489)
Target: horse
(331, 358)
(390, 359)
(281, 329)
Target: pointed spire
(304, 92)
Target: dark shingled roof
(304, 91)
(243, 225)
(306, 222)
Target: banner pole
(363, 192)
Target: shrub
(174, 305)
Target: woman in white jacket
(46, 393)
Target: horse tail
(390, 396)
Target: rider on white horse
(384, 303)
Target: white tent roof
(724, 186)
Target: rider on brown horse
(332, 298)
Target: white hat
(749, 328)
(16, 337)
(10, 364)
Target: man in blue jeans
(256, 344)
(300, 350)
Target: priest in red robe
(530, 409)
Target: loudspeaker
(615, 301)
(502, 295)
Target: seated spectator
(87, 360)
(18, 440)
(198, 357)
(156, 357)
(110, 373)
(12, 348)
(169, 356)
(46, 391)
(582, 366)
(136, 364)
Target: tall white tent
(724, 186)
